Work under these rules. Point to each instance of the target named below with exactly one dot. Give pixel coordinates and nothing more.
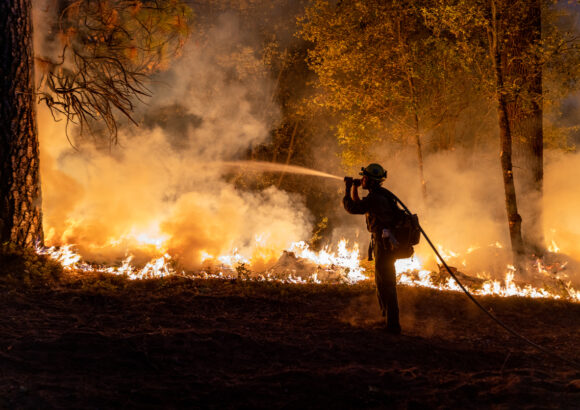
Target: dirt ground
(182, 343)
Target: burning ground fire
(300, 264)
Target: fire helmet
(374, 172)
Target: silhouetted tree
(108, 49)
(20, 197)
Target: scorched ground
(105, 342)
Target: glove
(348, 181)
(357, 182)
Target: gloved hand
(357, 182)
(348, 181)
(389, 239)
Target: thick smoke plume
(162, 189)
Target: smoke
(562, 200)
(464, 206)
(464, 213)
(162, 189)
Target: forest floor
(105, 342)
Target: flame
(344, 258)
(64, 255)
(553, 247)
(344, 262)
(445, 253)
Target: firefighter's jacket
(379, 207)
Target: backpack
(407, 230)
(407, 233)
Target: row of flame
(346, 261)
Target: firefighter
(382, 214)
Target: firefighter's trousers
(386, 281)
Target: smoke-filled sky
(163, 182)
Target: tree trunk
(525, 111)
(20, 195)
(290, 152)
(417, 138)
(537, 237)
(514, 218)
(420, 159)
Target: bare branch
(110, 48)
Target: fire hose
(483, 309)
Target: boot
(393, 328)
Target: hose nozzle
(353, 181)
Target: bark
(514, 218)
(20, 195)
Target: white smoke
(163, 182)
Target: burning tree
(109, 47)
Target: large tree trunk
(525, 111)
(514, 218)
(20, 197)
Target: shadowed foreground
(227, 344)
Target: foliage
(374, 72)
(318, 232)
(561, 59)
(381, 71)
(109, 47)
(555, 54)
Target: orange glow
(342, 264)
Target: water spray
(262, 166)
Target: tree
(495, 32)
(109, 48)
(560, 76)
(542, 63)
(20, 206)
(381, 72)
(492, 23)
(522, 28)
(513, 65)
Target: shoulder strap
(392, 197)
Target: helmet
(374, 172)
